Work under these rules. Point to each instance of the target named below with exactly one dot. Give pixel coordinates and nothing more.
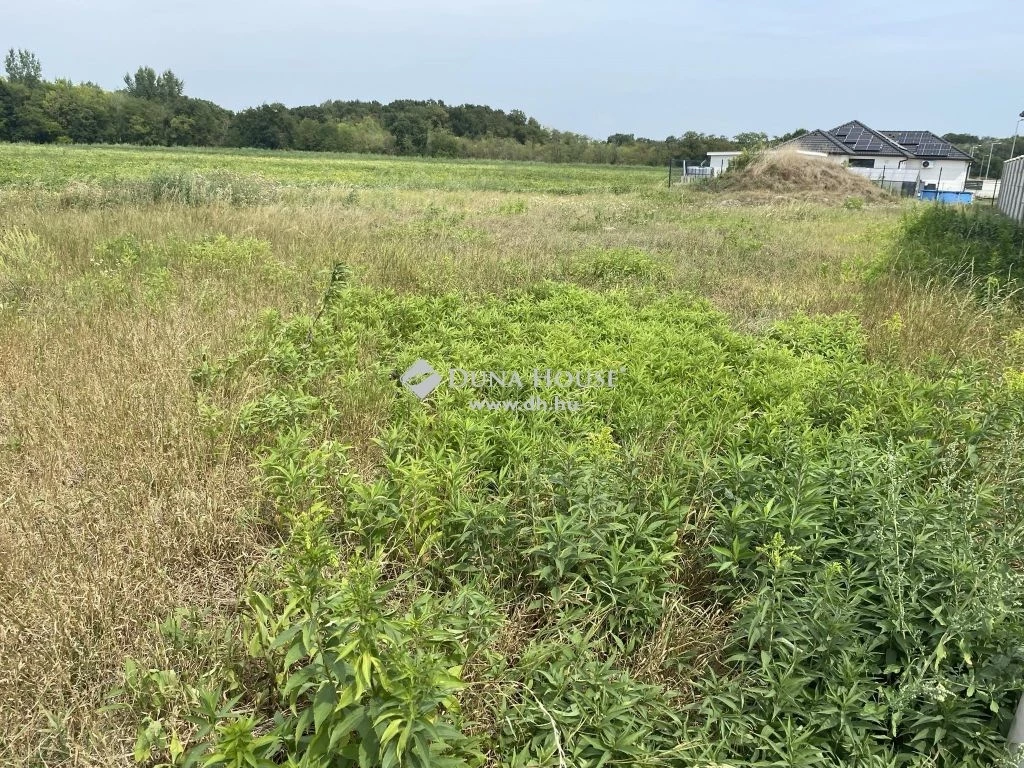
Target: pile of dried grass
(787, 172)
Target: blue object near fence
(951, 198)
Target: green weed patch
(977, 247)
(525, 586)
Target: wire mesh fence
(682, 172)
(900, 181)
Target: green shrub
(122, 252)
(975, 246)
(859, 524)
(189, 187)
(224, 251)
(744, 159)
(615, 267)
(514, 207)
(570, 707)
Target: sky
(653, 68)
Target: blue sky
(652, 68)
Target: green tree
(411, 134)
(8, 111)
(269, 126)
(197, 123)
(365, 135)
(441, 143)
(751, 139)
(147, 84)
(23, 67)
(137, 121)
(961, 138)
(83, 112)
(316, 136)
(791, 135)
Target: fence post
(670, 173)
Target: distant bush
(194, 188)
(173, 185)
(743, 160)
(366, 135)
(443, 144)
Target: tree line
(989, 152)
(152, 109)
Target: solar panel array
(924, 143)
(932, 149)
(860, 139)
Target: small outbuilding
(719, 161)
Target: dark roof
(817, 141)
(861, 140)
(855, 138)
(927, 144)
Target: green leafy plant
(506, 585)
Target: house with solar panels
(894, 158)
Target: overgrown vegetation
(976, 247)
(853, 521)
(789, 534)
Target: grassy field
(198, 424)
(54, 167)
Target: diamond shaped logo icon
(420, 378)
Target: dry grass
(115, 509)
(791, 173)
(910, 320)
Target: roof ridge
(878, 134)
(828, 135)
(820, 132)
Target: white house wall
(880, 160)
(953, 173)
(721, 162)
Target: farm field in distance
(788, 535)
(55, 166)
